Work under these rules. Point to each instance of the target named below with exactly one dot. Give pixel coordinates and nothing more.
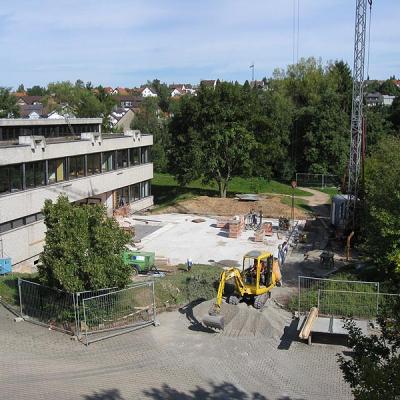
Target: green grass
(167, 192)
(9, 287)
(182, 287)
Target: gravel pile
(245, 321)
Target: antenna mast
(357, 111)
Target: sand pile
(245, 321)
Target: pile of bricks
(236, 227)
(223, 222)
(259, 235)
(267, 228)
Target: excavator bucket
(214, 321)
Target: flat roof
(47, 121)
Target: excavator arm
(214, 319)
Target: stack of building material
(267, 227)
(259, 235)
(223, 222)
(236, 226)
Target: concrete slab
(333, 326)
(178, 239)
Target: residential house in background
(177, 90)
(378, 99)
(43, 158)
(121, 118)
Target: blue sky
(126, 42)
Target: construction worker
(189, 264)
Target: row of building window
(123, 196)
(16, 177)
(48, 131)
(16, 223)
(129, 194)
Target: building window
(76, 167)
(17, 223)
(134, 156)
(134, 192)
(108, 161)
(11, 178)
(4, 184)
(122, 196)
(122, 158)
(35, 174)
(93, 164)
(145, 155)
(56, 170)
(144, 189)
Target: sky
(127, 42)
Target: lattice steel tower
(357, 110)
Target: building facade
(65, 157)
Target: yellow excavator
(259, 274)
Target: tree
(83, 249)
(373, 371)
(150, 119)
(8, 104)
(217, 121)
(36, 91)
(381, 222)
(389, 87)
(21, 88)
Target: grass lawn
(9, 287)
(166, 190)
(182, 287)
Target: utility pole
(252, 71)
(357, 111)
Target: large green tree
(83, 249)
(8, 104)
(381, 220)
(211, 135)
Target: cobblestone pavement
(172, 361)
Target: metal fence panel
(317, 180)
(118, 312)
(46, 306)
(310, 294)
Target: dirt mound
(245, 321)
(271, 206)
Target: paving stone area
(176, 360)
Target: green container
(141, 261)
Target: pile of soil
(203, 205)
(245, 321)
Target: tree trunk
(222, 186)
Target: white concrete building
(41, 159)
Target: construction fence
(88, 315)
(342, 298)
(317, 180)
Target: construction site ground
(257, 357)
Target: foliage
(83, 249)
(211, 135)
(149, 119)
(21, 88)
(373, 371)
(381, 222)
(80, 100)
(8, 104)
(183, 287)
(36, 91)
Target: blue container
(5, 266)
